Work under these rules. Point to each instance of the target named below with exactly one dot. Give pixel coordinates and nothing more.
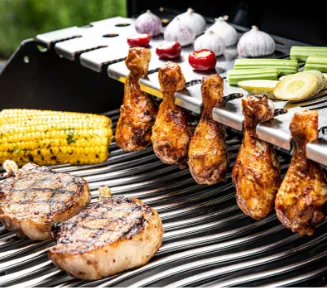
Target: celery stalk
(316, 62)
(318, 67)
(235, 76)
(301, 53)
(314, 59)
(284, 67)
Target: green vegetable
(285, 67)
(235, 76)
(319, 67)
(315, 62)
(301, 53)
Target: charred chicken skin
(35, 197)
(171, 131)
(256, 173)
(110, 236)
(301, 198)
(208, 156)
(138, 111)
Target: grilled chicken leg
(171, 131)
(108, 237)
(208, 157)
(302, 195)
(256, 172)
(138, 112)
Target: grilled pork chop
(110, 236)
(35, 197)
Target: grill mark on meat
(118, 219)
(59, 191)
(39, 177)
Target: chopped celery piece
(315, 59)
(315, 62)
(301, 53)
(319, 67)
(285, 67)
(235, 76)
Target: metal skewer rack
(104, 43)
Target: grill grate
(208, 240)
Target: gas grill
(208, 240)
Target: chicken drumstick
(256, 172)
(302, 195)
(208, 157)
(171, 131)
(138, 111)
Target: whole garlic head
(255, 43)
(211, 41)
(225, 31)
(177, 31)
(193, 21)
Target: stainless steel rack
(104, 43)
(207, 241)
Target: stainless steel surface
(96, 47)
(207, 241)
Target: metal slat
(196, 279)
(204, 228)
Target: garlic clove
(256, 43)
(193, 21)
(211, 41)
(148, 23)
(177, 31)
(226, 31)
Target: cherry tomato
(169, 50)
(202, 60)
(138, 40)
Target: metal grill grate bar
(206, 233)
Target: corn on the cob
(49, 137)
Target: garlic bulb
(176, 31)
(225, 31)
(211, 41)
(148, 23)
(193, 21)
(255, 43)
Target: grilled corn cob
(49, 137)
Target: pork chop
(33, 198)
(110, 236)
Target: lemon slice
(259, 87)
(297, 87)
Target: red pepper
(169, 50)
(202, 60)
(138, 40)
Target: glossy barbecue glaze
(208, 156)
(301, 199)
(138, 111)
(256, 173)
(171, 131)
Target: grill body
(207, 241)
